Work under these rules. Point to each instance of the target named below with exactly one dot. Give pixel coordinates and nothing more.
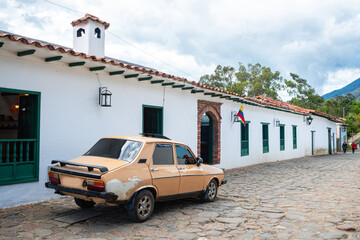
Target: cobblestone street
(307, 198)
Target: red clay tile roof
(259, 100)
(89, 17)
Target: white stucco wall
(71, 120)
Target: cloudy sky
(318, 40)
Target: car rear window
(121, 149)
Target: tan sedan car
(135, 171)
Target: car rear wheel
(211, 191)
(143, 207)
(83, 203)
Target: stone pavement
(307, 198)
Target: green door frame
(329, 140)
(312, 142)
(161, 117)
(37, 139)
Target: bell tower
(89, 35)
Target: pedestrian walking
(344, 146)
(353, 147)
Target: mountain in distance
(353, 88)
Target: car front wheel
(143, 207)
(83, 203)
(211, 192)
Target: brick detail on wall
(214, 111)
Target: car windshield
(121, 149)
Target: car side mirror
(199, 161)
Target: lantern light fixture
(309, 120)
(104, 97)
(277, 122)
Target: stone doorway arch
(213, 111)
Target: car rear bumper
(108, 196)
(223, 182)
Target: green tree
(255, 80)
(303, 94)
(222, 78)
(251, 80)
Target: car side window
(163, 155)
(184, 156)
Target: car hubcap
(144, 206)
(212, 190)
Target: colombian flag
(241, 115)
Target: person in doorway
(353, 147)
(344, 146)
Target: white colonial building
(50, 108)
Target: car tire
(211, 191)
(143, 206)
(83, 203)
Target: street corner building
(56, 102)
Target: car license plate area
(71, 182)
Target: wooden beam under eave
(207, 93)
(157, 81)
(168, 84)
(145, 78)
(1, 44)
(131, 76)
(187, 88)
(97, 68)
(51, 59)
(76, 64)
(25, 53)
(179, 86)
(216, 95)
(116, 73)
(198, 91)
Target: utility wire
(127, 42)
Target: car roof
(144, 139)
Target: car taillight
(54, 178)
(95, 185)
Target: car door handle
(154, 169)
(181, 168)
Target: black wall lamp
(309, 120)
(104, 97)
(343, 129)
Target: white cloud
(340, 79)
(314, 39)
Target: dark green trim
(282, 140)
(75, 64)
(265, 137)
(161, 119)
(116, 73)
(145, 78)
(187, 88)
(168, 84)
(157, 81)
(199, 91)
(25, 53)
(264, 123)
(179, 86)
(97, 68)
(1, 44)
(51, 59)
(245, 139)
(294, 132)
(131, 76)
(37, 147)
(282, 125)
(207, 94)
(216, 95)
